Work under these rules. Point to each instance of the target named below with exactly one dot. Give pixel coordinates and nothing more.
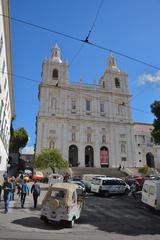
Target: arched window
(55, 74)
(117, 83)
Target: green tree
(19, 139)
(50, 158)
(155, 109)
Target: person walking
(35, 190)
(7, 188)
(13, 183)
(0, 190)
(24, 192)
(133, 190)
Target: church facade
(90, 124)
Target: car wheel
(106, 194)
(126, 192)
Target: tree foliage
(50, 158)
(155, 109)
(19, 139)
(143, 170)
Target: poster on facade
(104, 157)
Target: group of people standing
(9, 186)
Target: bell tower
(113, 79)
(54, 70)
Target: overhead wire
(94, 22)
(83, 41)
(86, 39)
(64, 88)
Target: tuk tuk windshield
(57, 194)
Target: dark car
(139, 179)
(130, 182)
(79, 183)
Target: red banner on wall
(104, 157)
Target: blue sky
(130, 27)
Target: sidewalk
(17, 218)
(29, 198)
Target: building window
(52, 131)
(143, 139)
(102, 107)
(55, 74)
(51, 145)
(1, 44)
(73, 105)
(1, 107)
(3, 67)
(122, 135)
(88, 105)
(123, 148)
(117, 83)
(0, 159)
(103, 84)
(89, 129)
(123, 159)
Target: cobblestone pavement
(117, 217)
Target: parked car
(139, 179)
(130, 182)
(109, 185)
(87, 180)
(152, 177)
(55, 178)
(28, 172)
(151, 193)
(37, 175)
(63, 202)
(79, 183)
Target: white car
(55, 178)
(87, 180)
(109, 185)
(151, 193)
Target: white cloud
(144, 78)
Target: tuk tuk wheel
(70, 224)
(45, 220)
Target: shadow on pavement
(120, 215)
(35, 222)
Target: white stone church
(90, 124)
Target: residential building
(146, 152)
(90, 124)
(6, 84)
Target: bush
(143, 170)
